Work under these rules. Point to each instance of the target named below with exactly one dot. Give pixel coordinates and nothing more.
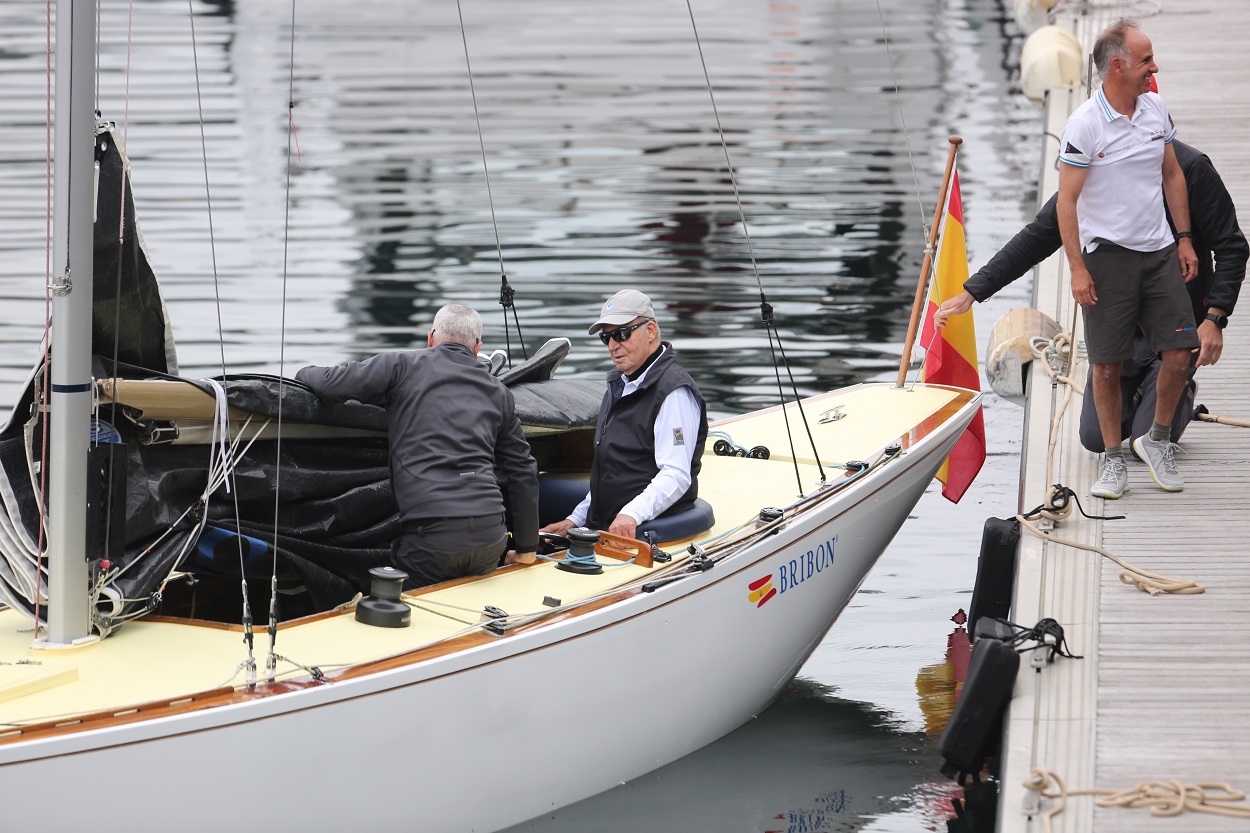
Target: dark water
(606, 171)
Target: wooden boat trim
(119, 717)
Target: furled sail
(157, 503)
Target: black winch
(581, 555)
(383, 608)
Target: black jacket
(1213, 221)
(453, 432)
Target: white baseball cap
(622, 308)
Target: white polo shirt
(1122, 199)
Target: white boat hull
(483, 738)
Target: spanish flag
(951, 352)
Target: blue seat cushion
(696, 519)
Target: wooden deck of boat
(1163, 691)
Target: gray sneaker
(1160, 458)
(1114, 480)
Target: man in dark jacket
(1216, 235)
(651, 429)
(452, 427)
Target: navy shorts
(1136, 289)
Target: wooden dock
(1163, 690)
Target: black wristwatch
(1221, 321)
(1181, 234)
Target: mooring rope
(1148, 582)
(1060, 347)
(1164, 798)
(1203, 415)
(1056, 507)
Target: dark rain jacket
(453, 431)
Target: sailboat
(115, 677)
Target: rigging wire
(248, 637)
(902, 116)
(292, 149)
(117, 284)
(224, 454)
(918, 370)
(46, 369)
(219, 470)
(911, 159)
(766, 309)
(47, 318)
(506, 292)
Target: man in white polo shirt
(1128, 269)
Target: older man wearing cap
(651, 429)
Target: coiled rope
(1164, 798)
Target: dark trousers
(438, 549)
(1138, 377)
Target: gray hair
(458, 323)
(1113, 43)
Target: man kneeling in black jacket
(451, 426)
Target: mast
(69, 397)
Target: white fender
(1051, 57)
(1031, 15)
(1010, 349)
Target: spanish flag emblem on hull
(761, 590)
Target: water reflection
(938, 686)
(610, 173)
(606, 171)
(812, 763)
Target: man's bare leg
(1107, 400)
(1113, 481)
(1173, 374)
(1156, 449)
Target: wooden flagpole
(925, 267)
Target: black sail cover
(335, 514)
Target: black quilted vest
(625, 438)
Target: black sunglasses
(621, 334)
